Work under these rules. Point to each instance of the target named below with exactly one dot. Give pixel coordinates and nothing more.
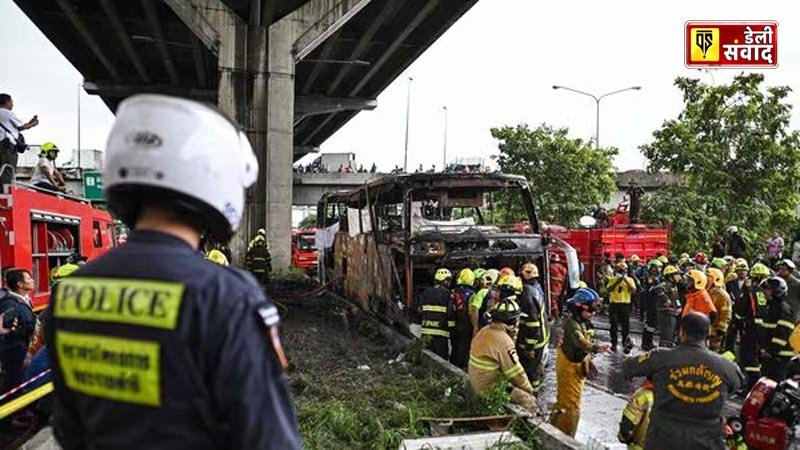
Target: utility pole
(444, 149)
(597, 104)
(408, 116)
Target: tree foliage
(737, 158)
(308, 221)
(567, 176)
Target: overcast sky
(494, 67)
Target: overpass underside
(290, 72)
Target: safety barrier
(8, 408)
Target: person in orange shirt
(697, 298)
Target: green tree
(567, 176)
(737, 159)
(308, 221)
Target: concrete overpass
(309, 187)
(290, 72)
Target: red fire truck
(304, 250)
(39, 230)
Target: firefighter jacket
(154, 347)
(656, 295)
(739, 297)
(258, 259)
(700, 301)
(636, 418)
(558, 274)
(438, 312)
(478, 304)
(779, 324)
(690, 386)
(758, 308)
(722, 303)
(492, 355)
(533, 333)
(578, 340)
(793, 296)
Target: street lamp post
(408, 116)
(444, 145)
(597, 103)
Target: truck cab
(304, 250)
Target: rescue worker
(46, 175)
(478, 275)
(558, 275)
(738, 290)
(779, 324)
(534, 334)
(718, 263)
(72, 264)
(437, 313)
(217, 257)
(636, 417)
(654, 296)
(677, 295)
(752, 310)
(257, 259)
(191, 354)
(697, 298)
(493, 355)
(786, 270)
(621, 289)
(574, 362)
(604, 273)
(478, 304)
(700, 262)
(722, 303)
(690, 386)
(461, 334)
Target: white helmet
(180, 154)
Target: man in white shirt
(45, 175)
(10, 126)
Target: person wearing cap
(574, 360)
(493, 355)
(258, 260)
(779, 323)
(191, 356)
(722, 303)
(786, 270)
(737, 247)
(690, 386)
(438, 314)
(461, 333)
(621, 289)
(737, 288)
(700, 262)
(534, 334)
(45, 175)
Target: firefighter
(257, 259)
(558, 275)
(621, 289)
(700, 262)
(636, 417)
(637, 271)
(190, 353)
(217, 257)
(722, 303)
(534, 333)
(461, 334)
(654, 295)
(697, 298)
(752, 310)
(493, 355)
(573, 362)
(738, 289)
(690, 385)
(786, 269)
(677, 295)
(779, 323)
(478, 304)
(437, 313)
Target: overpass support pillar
(256, 89)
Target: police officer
(152, 345)
(690, 385)
(493, 355)
(534, 333)
(257, 259)
(437, 312)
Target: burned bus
(383, 241)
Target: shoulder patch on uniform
(513, 355)
(269, 314)
(149, 303)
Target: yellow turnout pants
(567, 410)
